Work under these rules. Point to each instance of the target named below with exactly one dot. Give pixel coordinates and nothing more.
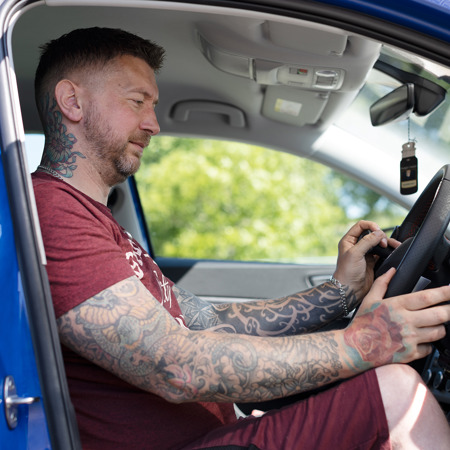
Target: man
(152, 366)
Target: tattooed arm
(126, 331)
(294, 314)
(297, 313)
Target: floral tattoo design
(58, 152)
(378, 338)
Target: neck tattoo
(50, 171)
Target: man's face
(120, 119)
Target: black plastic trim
(140, 214)
(428, 95)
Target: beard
(112, 160)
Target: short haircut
(90, 48)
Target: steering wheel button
(438, 379)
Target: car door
(36, 412)
(21, 397)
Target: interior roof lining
(259, 127)
(207, 8)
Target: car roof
(429, 17)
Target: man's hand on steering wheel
(355, 263)
(398, 329)
(424, 252)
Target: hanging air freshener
(408, 167)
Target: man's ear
(66, 95)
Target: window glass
(34, 145)
(223, 200)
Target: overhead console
(298, 68)
(271, 72)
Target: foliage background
(223, 200)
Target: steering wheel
(425, 249)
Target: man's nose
(150, 122)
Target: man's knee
(398, 379)
(400, 386)
(414, 417)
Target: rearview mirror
(393, 107)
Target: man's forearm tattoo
(235, 369)
(126, 331)
(298, 313)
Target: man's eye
(138, 102)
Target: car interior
(288, 83)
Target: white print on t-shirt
(135, 257)
(166, 292)
(164, 286)
(135, 260)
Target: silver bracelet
(338, 284)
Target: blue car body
(17, 355)
(426, 16)
(29, 353)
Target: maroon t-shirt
(88, 251)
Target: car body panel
(430, 16)
(17, 356)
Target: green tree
(222, 200)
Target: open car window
(231, 201)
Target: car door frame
(60, 415)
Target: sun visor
(306, 39)
(266, 72)
(226, 61)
